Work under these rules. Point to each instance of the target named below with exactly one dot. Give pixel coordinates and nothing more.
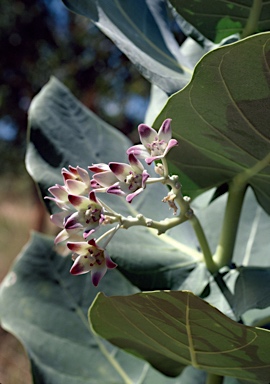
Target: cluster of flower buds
(82, 212)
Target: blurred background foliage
(42, 38)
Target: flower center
(157, 147)
(134, 181)
(92, 215)
(95, 256)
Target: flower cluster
(83, 213)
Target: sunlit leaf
(141, 31)
(217, 19)
(172, 328)
(221, 119)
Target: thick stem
(237, 190)
(224, 252)
(207, 254)
(254, 16)
(214, 379)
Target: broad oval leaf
(221, 119)
(172, 328)
(217, 19)
(140, 29)
(45, 307)
(63, 132)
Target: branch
(251, 26)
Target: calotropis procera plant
(180, 222)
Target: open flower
(123, 179)
(89, 257)
(85, 214)
(155, 144)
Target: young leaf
(141, 31)
(221, 119)
(216, 19)
(172, 328)
(45, 307)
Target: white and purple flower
(85, 214)
(76, 182)
(89, 257)
(121, 179)
(156, 144)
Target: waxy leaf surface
(141, 30)
(217, 19)
(172, 328)
(45, 307)
(221, 119)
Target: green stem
(214, 379)
(224, 252)
(207, 254)
(237, 190)
(110, 232)
(253, 19)
(165, 167)
(161, 226)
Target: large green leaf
(141, 30)
(172, 328)
(45, 307)
(221, 119)
(62, 132)
(217, 19)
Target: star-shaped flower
(121, 179)
(89, 257)
(156, 144)
(85, 214)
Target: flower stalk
(83, 213)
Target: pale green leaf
(141, 30)
(45, 307)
